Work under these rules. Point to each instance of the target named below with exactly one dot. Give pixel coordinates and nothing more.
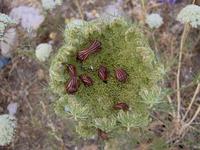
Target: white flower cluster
(112, 12)
(190, 14)
(154, 20)
(7, 129)
(50, 4)
(29, 17)
(43, 51)
(5, 21)
(74, 23)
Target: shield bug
(121, 75)
(121, 106)
(72, 70)
(87, 80)
(94, 47)
(82, 55)
(103, 73)
(72, 85)
(103, 135)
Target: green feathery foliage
(123, 46)
(5, 22)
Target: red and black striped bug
(72, 85)
(72, 70)
(94, 47)
(121, 106)
(103, 73)
(121, 75)
(87, 80)
(103, 135)
(82, 55)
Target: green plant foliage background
(123, 46)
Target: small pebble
(12, 108)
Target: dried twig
(185, 126)
(79, 9)
(192, 101)
(171, 104)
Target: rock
(4, 61)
